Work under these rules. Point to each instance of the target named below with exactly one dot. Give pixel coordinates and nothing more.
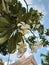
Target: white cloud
(47, 48)
(40, 8)
(29, 1)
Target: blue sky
(42, 6)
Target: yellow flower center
(21, 46)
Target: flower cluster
(23, 28)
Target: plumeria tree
(15, 23)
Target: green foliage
(15, 22)
(47, 33)
(31, 38)
(14, 7)
(46, 59)
(45, 42)
(41, 29)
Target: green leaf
(41, 29)
(45, 59)
(14, 7)
(4, 38)
(47, 33)
(11, 44)
(4, 26)
(13, 41)
(3, 22)
(31, 38)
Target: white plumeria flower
(21, 45)
(33, 25)
(35, 47)
(23, 28)
(21, 49)
(27, 26)
(23, 25)
(30, 21)
(37, 26)
(19, 54)
(19, 24)
(24, 31)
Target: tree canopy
(15, 22)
